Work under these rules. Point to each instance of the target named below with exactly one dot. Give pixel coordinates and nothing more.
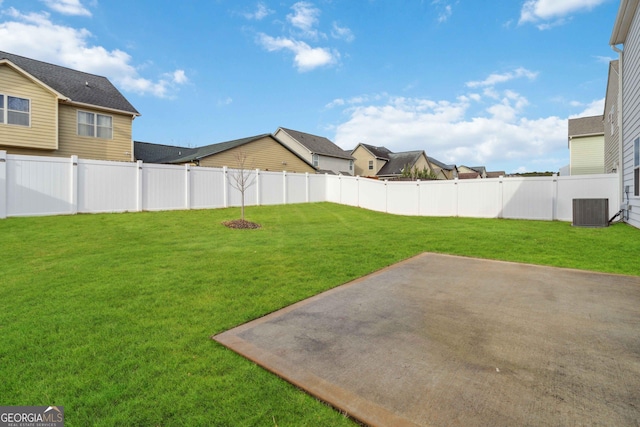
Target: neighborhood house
(48, 110)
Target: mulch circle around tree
(241, 223)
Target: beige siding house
(262, 152)
(380, 162)
(48, 110)
(586, 145)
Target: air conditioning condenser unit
(590, 212)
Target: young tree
(243, 177)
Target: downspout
(620, 128)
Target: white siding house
(626, 32)
(323, 154)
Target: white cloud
(343, 33)
(556, 11)
(179, 77)
(457, 132)
(494, 79)
(68, 7)
(305, 17)
(34, 35)
(443, 8)
(261, 12)
(594, 108)
(306, 57)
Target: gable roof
(77, 86)
(440, 164)
(586, 126)
(318, 144)
(168, 154)
(379, 152)
(398, 161)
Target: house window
(95, 125)
(315, 160)
(636, 167)
(370, 165)
(15, 111)
(350, 165)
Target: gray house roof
(398, 161)
(318, 144)
(586, 126)
(169, 154)
(76, 86)
(380, 152)
(156, 153)
(441, 165)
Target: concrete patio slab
(441, 340)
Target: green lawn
(111, 316)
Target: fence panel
(528, 198)
(296, 188)
(403, 198)
(334, 188)
(348, 190)
(438, 198)
(271, 188)
(163, 187)
(479, 198)
(107, 186)
(206, 188)
(373, 194)
(317, 188)
(38, 186)
(234, 182)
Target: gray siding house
(625, 39)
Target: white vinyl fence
(31, 185)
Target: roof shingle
(76, 85)
(318, 144)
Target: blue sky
(472, 83)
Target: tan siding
(117, 148)
(587, 155)
(361, 163)
(423, 164)
(42, 132)
(263, 154)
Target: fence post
(284, 187)
(73, 197)
(554, 202)
(139, 186)
(225, 189)
(386, 196)
(455, 188)
(3, 184)
(306, 187)
(187, 186)
(418, 190)
(257, 187)
(358, 191)
(501, 213)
